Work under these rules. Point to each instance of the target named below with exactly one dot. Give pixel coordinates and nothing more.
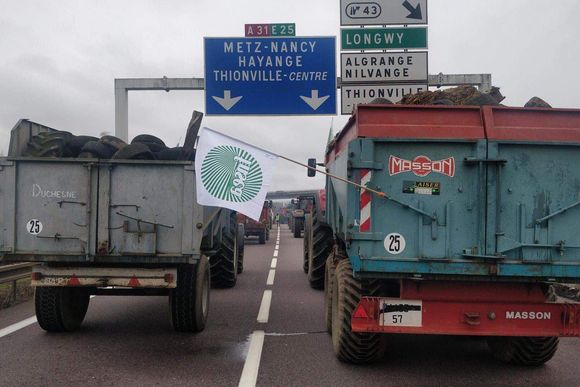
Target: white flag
(232, 174)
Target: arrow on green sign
(383, 38)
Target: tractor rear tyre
(241, 246)
(349, 346)
(61, 309)
(224, 264)
(524, 351)
(262, 237)
(298, 223)
(306, 253)
(189, 301)
(321, 243)
(330, 268)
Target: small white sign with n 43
(402, 313)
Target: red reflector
(168, 278)
(36, 276)
(73, 281)
(134, 282)
(360, 312)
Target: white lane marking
(252, 365)
(275, 253)
(277, 247)
(265, 307)
(274, 263)
(271, 275)
(18, 326)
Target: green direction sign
(383, 38)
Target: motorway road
(128, 341)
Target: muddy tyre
(61, 309)
(241, 246)
(189, 302)
(307, 234)
(524, 351)
(329, 267)
(349, 346)
(224, 264)
(49, 144)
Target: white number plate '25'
(402, 313)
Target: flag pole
(379, 193)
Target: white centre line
(18, 326)
(274, 263)
(250, 372)
(277, 246)
(265, 307)
(271, 275)
(275, 253)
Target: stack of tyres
(63, 144)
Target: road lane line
(252, 365)
(265, 307)
(274, 263)
(271, 275)
(18, 326)
(275, 253)
(277, 246)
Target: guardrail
(13, 273)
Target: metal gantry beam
(124, 85)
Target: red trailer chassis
(463, 308)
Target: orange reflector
(134, 282)
(360, 312)
(36, 276)
(73, 281)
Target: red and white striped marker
(365, 202)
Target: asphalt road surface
(267, 331)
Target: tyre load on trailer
(524, 351)
(306, 250)
(189, 301)
(49, 144)
(329, 269)
(349, 346)
(224, 264)
(135, 151)
(241, 246)
(155, 144)
(61, 309)
(98, 150)
(321, 243)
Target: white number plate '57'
(402, 313)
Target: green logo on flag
(231, 174)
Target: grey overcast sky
(58, 60)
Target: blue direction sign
(270, 76)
